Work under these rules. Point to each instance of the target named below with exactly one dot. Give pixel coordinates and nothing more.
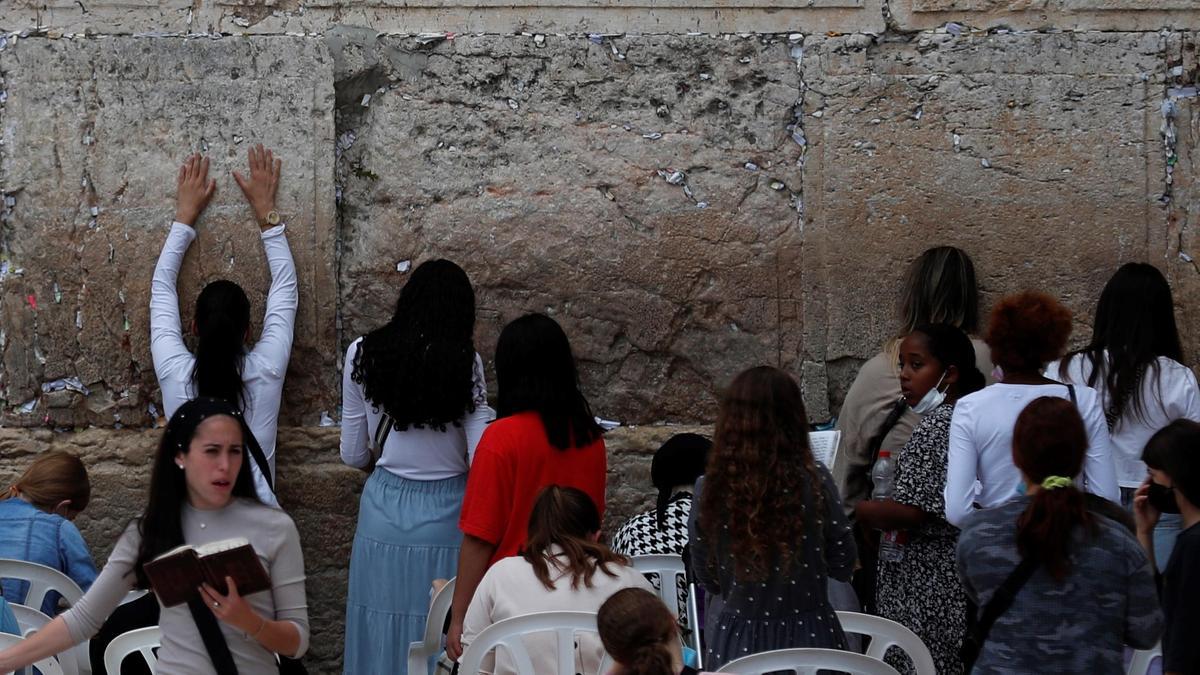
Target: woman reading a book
(201, 493)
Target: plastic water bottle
(883, 474)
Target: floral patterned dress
(922, 591)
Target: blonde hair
(939, 287)
(52, 478)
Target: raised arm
(1099, 468)
(483, 414)
(171, 358)
(275, 344)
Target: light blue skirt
(407, 536)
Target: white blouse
(415, 454)
(1169, 396)
(263, 367)
(981, 433)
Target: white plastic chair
(41, 580)
(430, 645)
(807, 662)
(670, 569)
(1142, 658)
(885, 633)
(29, 620)
(47, 666)
(507, 635)
(143, 640)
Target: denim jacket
(30, 534)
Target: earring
(180, 466)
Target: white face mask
(932, 399)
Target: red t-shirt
(512, 463)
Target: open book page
(223, 545)
(824, 446)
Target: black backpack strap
(1001, 600)
(211, 635)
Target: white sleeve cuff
(274, 231)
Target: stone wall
(689, 186)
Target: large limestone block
(1176, 248)
(416, 16)
(643, 191)
(94, 132)
(1081, 15)
(1039, 154)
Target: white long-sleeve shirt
(263, 367)
(416, 454)
(1168, 393)
(981, 434)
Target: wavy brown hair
(567, 518)
(759, 470)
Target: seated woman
(673, 471)
(35, 523)
(770, 528)
(201, 492)
(1083, 586)
(639, 633)
(562, 567)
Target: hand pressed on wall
(260, 187)
(193, 189)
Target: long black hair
(222, 319)
(536, 371)
(161, 523)
(419, 367)
(951, 347)
(1134, 324)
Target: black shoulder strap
(260, 458)
(876, 443)
(211, 635)
(1071, 391)
(1003, 598)
(385, 428)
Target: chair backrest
(430, 645)
(507, 635)
(807, 662)
(29, 620)
(47, 666)
(41, 580)
(885, 633)
(143, 640)
(670, 570)
(1142, 659)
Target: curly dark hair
(760, 467)
(1027, 330)
(419, 367)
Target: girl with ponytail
(222, 367)
(1081, 587)
(920, 587)
(562, 567)
(641, 635)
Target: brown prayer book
(177, 574)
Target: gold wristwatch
(273, 218)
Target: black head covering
(182, 426)
(680, 461)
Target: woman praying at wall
(412, 391)
(1134, 362)
(1026, 331)
(201, 492)
(770, 527)
(1079, 587)
(918, 583)
(545, 435)
(562, 567)
(222, 367)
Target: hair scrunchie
(1053, 482)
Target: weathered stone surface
(1176, 247)
(652, 210)
(416, 16)
(94, 132)
(1097, 15)
(1039, 154)
(318, 491)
